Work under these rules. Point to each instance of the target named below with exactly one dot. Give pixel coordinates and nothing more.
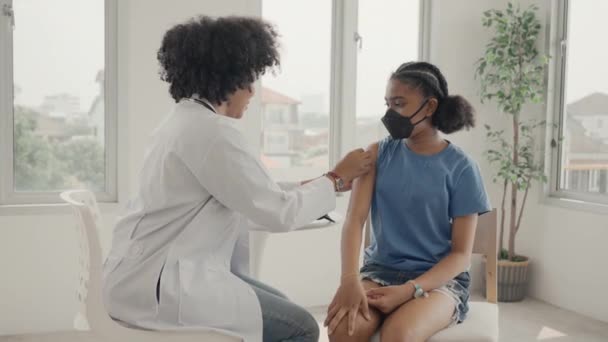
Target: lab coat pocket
(205, 298)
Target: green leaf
(503, 255)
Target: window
(57, 112)
(580, 165)
(295, 100)
(389, 38)
(328, 96)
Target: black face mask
(399, 126)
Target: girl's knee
(364, 331)
(403, 333)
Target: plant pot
(512, 279)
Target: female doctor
(201, 187)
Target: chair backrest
(92, 314)
(485, 244)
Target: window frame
(8, 196)
(556, 115)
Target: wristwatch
(337, 180)
(418, 290)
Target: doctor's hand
(349, 300)
(355, 164)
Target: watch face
(340, 183)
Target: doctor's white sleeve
(235, 177)
(286, 186)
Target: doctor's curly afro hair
(213, 57)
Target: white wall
(38, 253)
(566, 246)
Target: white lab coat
(201, 188)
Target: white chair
(92, 314)
(92, 322)
(482, 322)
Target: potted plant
(511, 74)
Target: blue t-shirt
(415, 199)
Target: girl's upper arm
(468, 200)
(362, 191)
(463, 233)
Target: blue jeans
(283, 320)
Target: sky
(58, 48)
(587, 49)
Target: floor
(532, 320)
(528, 321)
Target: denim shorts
(457, 288)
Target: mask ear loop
(418, 111)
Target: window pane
(390, 37)
(585, 147)
(295, 101)
(58, 65)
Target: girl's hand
(387, 299)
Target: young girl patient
(425, 195)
